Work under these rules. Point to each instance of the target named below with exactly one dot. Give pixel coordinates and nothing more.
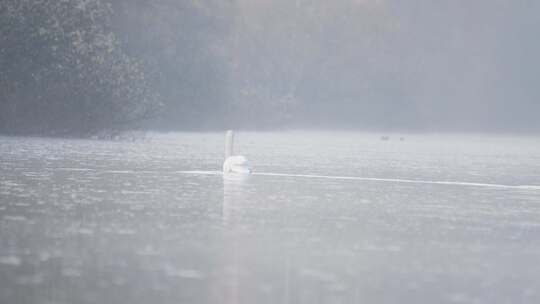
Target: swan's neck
(229, 141)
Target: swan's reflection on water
(236, 192)
(235, 197)
(241, 282)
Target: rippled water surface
(328, 218)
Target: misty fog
(269, 151)
(268, 64)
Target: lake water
(328, 217)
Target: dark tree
(64, 72)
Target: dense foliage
(64, 71)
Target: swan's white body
(234, 164)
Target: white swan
(235, 164)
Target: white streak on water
(358, 178)
(374, 179)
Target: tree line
(80, 67)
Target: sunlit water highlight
(325, 218)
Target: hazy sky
(459, 65)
